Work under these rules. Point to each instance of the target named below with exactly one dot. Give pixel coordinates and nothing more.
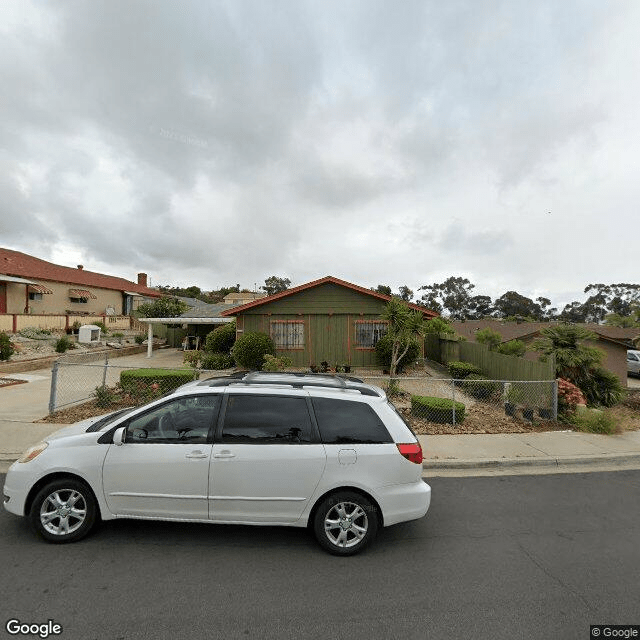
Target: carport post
(149, 340)
(54, 388)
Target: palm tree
(574, 360)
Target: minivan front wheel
(345, 523)
(63, 511)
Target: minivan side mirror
(118, 436)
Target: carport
(179, 320)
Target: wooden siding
(324, 299)
(326, 337)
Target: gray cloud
(218, 142)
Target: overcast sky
(214, 143)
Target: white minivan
(326, 452)
(633, 362)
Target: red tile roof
(316, 283)
(15, 263)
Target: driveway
(633, 383)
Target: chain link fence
(417, 397)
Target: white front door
(266, 465)
(162, 469)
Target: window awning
(131, 293)
(14, 279)
(81, 293)
(39, 288)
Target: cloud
(222, 142)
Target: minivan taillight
(412, 452)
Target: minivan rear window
(348, 422)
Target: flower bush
(569, 396)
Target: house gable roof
(16, 263)
(316, 283)
(524, 330)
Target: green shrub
(191, 358)
(63, 344)
(437, 409)
(34, 333)
(512, 348)
(146, 384)
(383, 353)
(139, 339)
(273, 363)
(601, 388)
(6, 346)
(481, 387)
(104, 396)
(222, 339)
(594, 421)
(216, 360)
(460, 370)
(251, 348)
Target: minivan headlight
(33, 452)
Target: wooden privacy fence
(496, 366)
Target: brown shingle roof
(15, 263)
(517, 331)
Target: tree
(453, 295)
(405, 293)
(489, 337)
(403, 325)
(274, 284)
(384, 289)
(513, 303)
(439, 325)
(580, 363)
(480, 307)
(162, 308)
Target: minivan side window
(348, 422)
(266, 420)
(185, 420)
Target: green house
(325, 320)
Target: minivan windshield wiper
(105, 420)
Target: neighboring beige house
(29, 285)
(613, 341)
(243, 297)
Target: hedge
(135, 381)
(481, 387)
(222, 339)
(460, 370)
(437, 409)
(215, 361)
(251, 348)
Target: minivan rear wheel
(345, 523)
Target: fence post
(555, 399)
(54, 388)
(453, 397)
(104, 372)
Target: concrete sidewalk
(481, 454)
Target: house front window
(35, 296)
(368, 332)
(288, 334)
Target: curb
(502, 463)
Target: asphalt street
(496, 557)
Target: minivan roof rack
(295, 380)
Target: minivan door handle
(224, 454)
(197, 454)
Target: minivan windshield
(108, 419)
